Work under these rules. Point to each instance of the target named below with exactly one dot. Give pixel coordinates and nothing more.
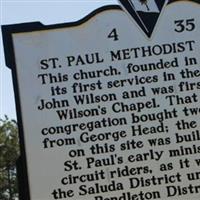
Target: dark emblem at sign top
(144, 12)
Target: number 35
(184, 25)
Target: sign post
(108, 106)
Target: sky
(46, 12)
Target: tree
(9, 152)
(144, 2)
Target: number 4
(113, 35)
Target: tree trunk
(147, 6)
(9, 184)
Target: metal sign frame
(7, 31)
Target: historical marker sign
(109, 106)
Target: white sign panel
(110, 112)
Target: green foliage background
(9, 152)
